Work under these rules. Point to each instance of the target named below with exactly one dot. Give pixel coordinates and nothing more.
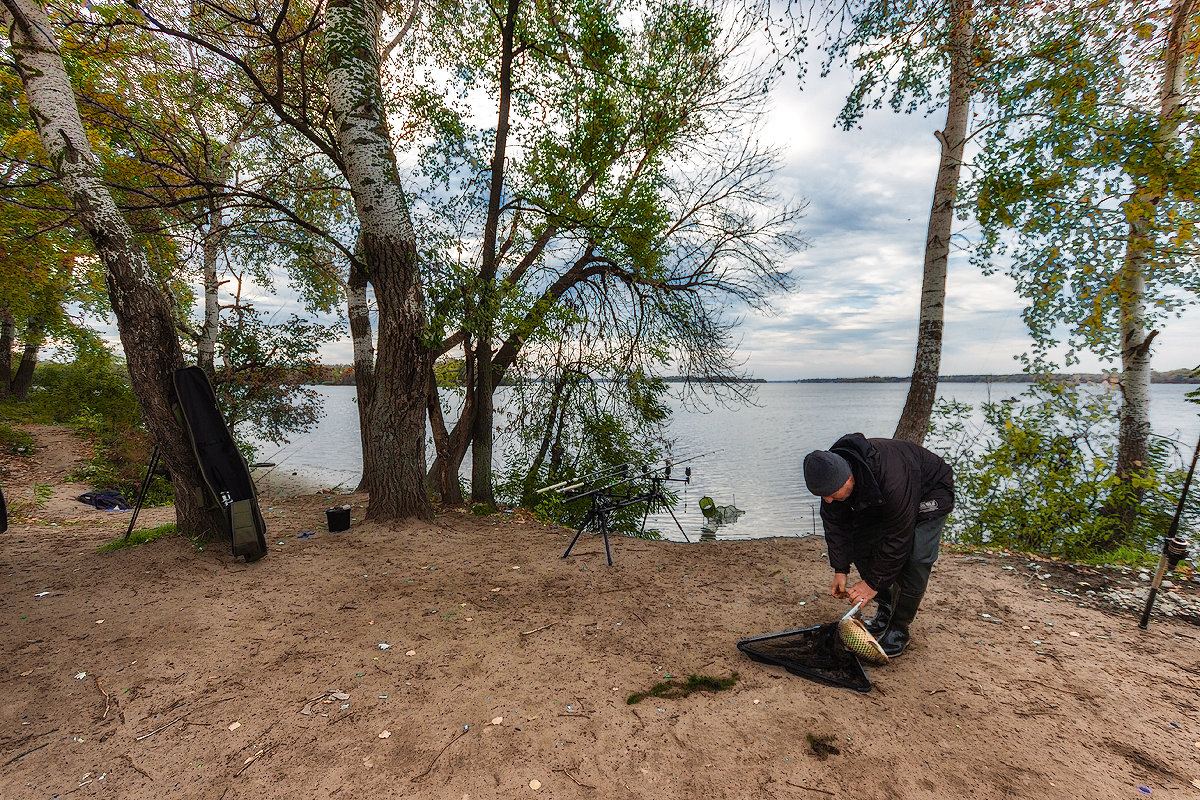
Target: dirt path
(462, 658)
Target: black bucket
(338, 519)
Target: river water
(754, 451)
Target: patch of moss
(139, 537)
(484, 509)
(673, 690)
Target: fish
(858, 639)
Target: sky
(854, 310)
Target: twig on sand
(429, 769)
(253, 758)
(158, 729)
(535, 630)
(810, 788)
(578, 782)
(181, 718)
(943, 689)
(1048, 686)
(107, 699)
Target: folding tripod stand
(605, 502)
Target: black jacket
(896, 485)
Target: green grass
(15, 441)
(673, 690)
(139, 537)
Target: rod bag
(226, 473)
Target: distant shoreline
(1175, 376)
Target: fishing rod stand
(1174, 551)
(1175, 548)
(618, 495)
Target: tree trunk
(452, 448)
(396, 425)
(1133, 446)
(488, 309)
(206, 347)
(142, 307)
(8, 330)
(362, 335)
(922, 390)
(34, 338)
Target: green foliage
(139, 537)
(92, 391)
(1040, 474)
(574, 426)
(14, 440)
(674, 690)
(1079, 171)
(263, 385)
(92, 395)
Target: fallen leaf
(1073, 633)
(497, 720)
(535, 785)
(99, 622)
(234, 726)
(411, 653)
(496, 589)
(385, 734)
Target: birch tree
(1088, 192)
(396, 416)
(143, 310)
(917, 54)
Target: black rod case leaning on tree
(226, 473)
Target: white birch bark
(1134, 444)
(141, 306)
(395, 443)
(922, 389)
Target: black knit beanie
(825, 472)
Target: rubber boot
(883, 612)
(895, 638)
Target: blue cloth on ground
(106, 500)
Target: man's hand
(838, 589)
(860, 592)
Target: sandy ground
(463, 658)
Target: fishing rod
(622, 470)
(1174, 548)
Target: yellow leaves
(25, 145)
(1186, 232)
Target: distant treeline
(449, 373)
(1174, 376)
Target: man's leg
(912, 582)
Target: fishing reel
(1174, 551)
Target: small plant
(139, 537)
(674, 690)
(14, 440)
